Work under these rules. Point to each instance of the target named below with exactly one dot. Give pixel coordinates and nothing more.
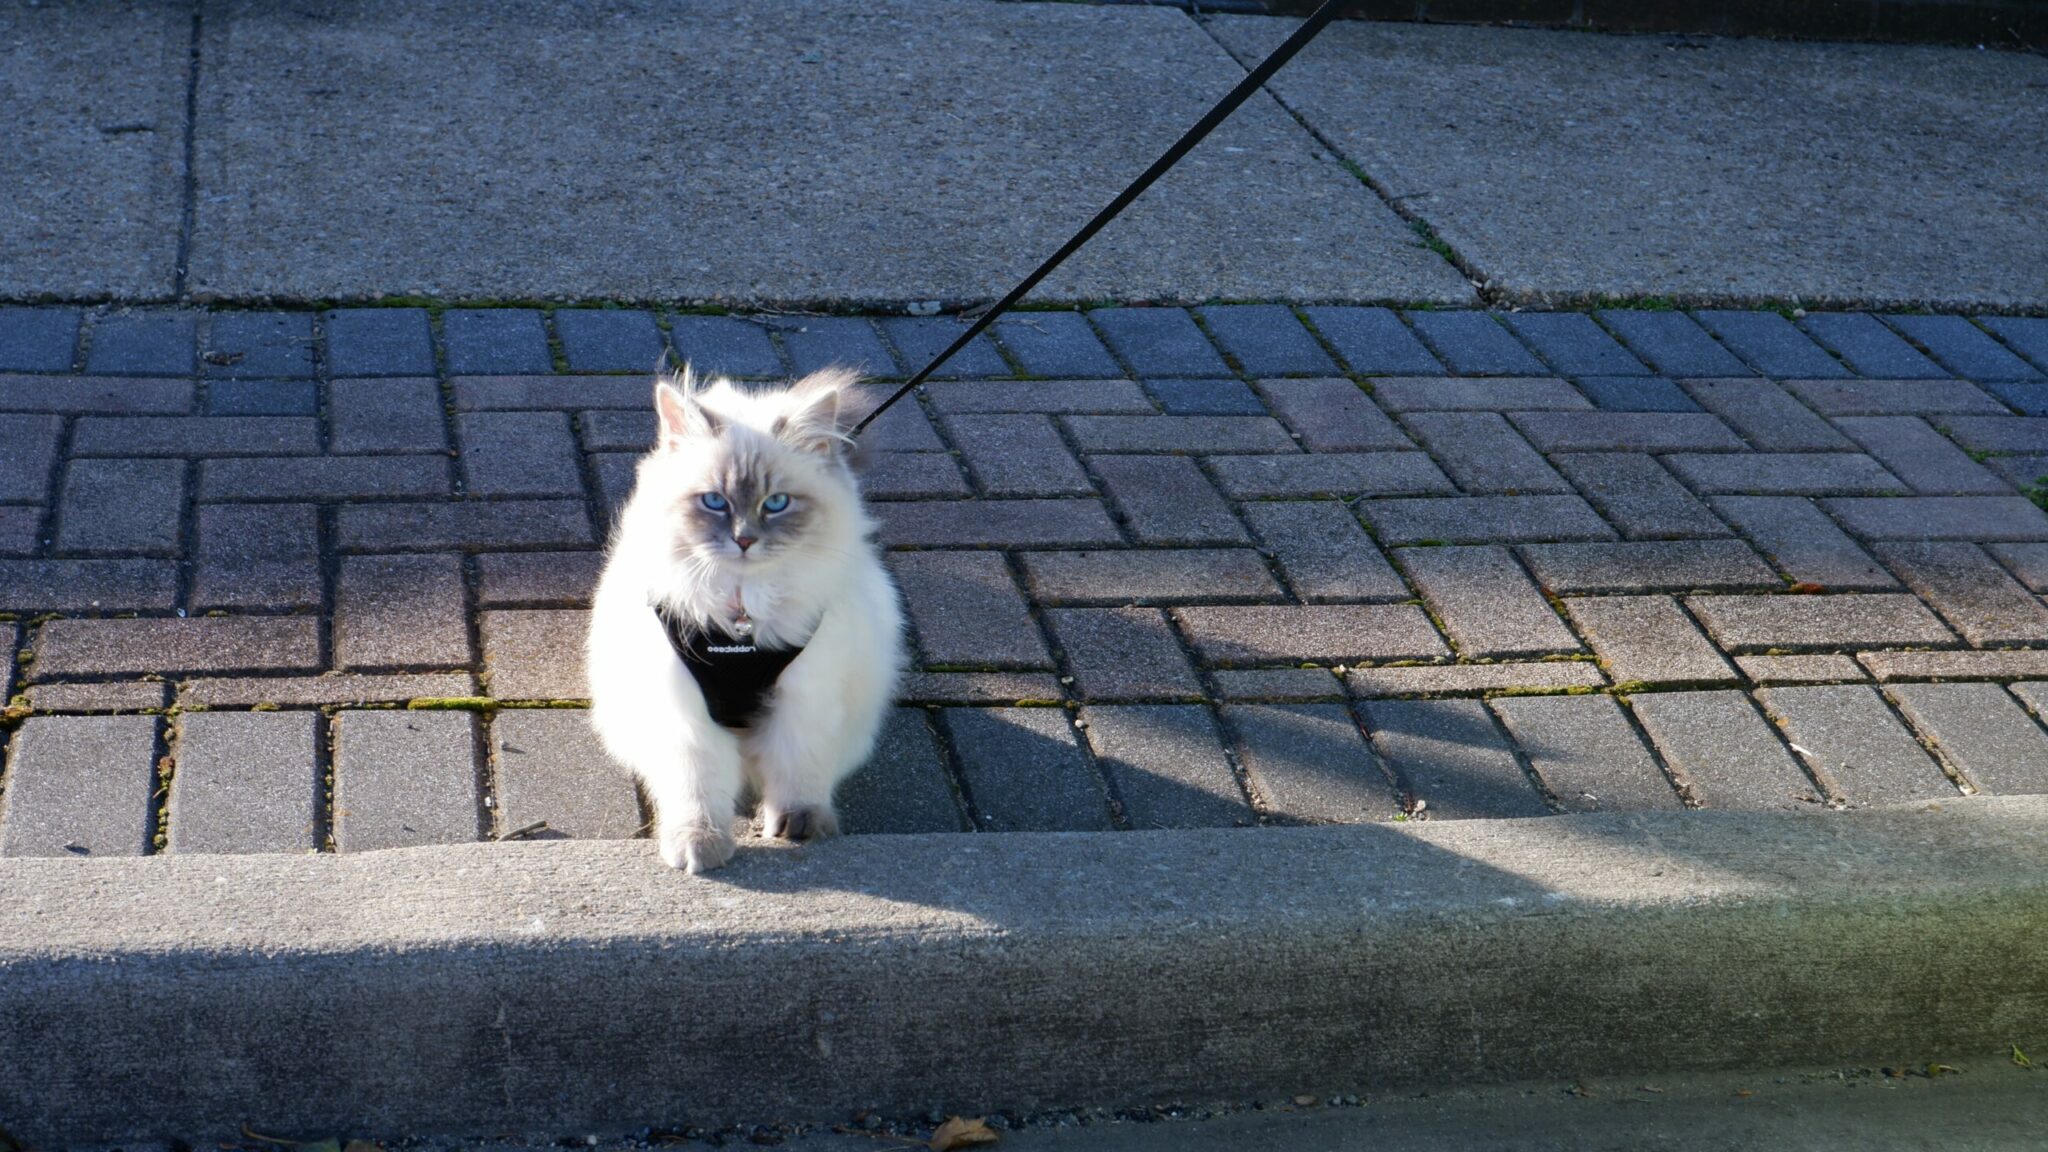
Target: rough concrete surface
(556, 986)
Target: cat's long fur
(813, 578)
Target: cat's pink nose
(745, 542)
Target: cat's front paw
(695, 847)
(813, 822)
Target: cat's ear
(817, 419)
(682, 417)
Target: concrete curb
(579, 986)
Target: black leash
(1251, 83)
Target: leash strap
(1251, 83)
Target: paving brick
(965, 609)
(1473, 679)
(10, 639)
(1025, 772)
(1638, 496)
(535, 654)
(1981, 518)
(1995, 665)
(996, 524)
(38, 339)
(1725, 753)
(328, 688)
(919, 338)
(1672, 343)
(1784, 473)
(378, 342)
(2023, 472)
(1804, 544)
(113, 696)
(1867, 346)
(333, 478)
(468, 525)
(1963, 348)
(912, 475)
(608, 340)
(904, 428)
(1483, 453)
(1821, 669)
(1266, 340)
(818, 342)
(1767, 416)
(2000, 433)
(519, 454)
(1055, 344)
(515, 579)
(144, 344)
(128, 506)
(904, 787)
(2027, 335)
(170, 647)
(257, 556)
(1183, 396)
(1308, 764)
(1167, 500)
(1324, 552)
(195, 436)
(2029, 562)
(1167, 765)
(507, 393)
(1332, 415)
(724, 345)
(1854, 744)
(1158, 341)
(1485, 520)
(1123, 654)
(1321, 634)
(1871, 620)
(1108, 397)
(1895, 397)
(1179, 434)
(19, 529)
(1647, 640)
(1474, 344)
(548, 766)
(1587, 752)
(1280, 685)
(1449, 757)
(1150, 576)
(79, 786)
(1925, 459)
(400, 611)
(262, 398)
(1485, 602)
(1981, 732)
(1636, 394)
(493, 341)
(246, 782)
(1970, 590)
(95, 395)
(1649, 566)
(386, 415)
(1627, 432)
(1427, 394)
(258, 344)
(1573, 344)
(123, 585)
(1770, 344)
(1373, 341)
(2030, 397)
(1329, 474)
(403, 779)
(621, 431)
(1018, 454)
(616, 473)
(1021, 688)
(28, 451)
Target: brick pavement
(297, 581)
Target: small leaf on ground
(2020, 1058)
(960, 1133)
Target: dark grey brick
(79, 786)
(1805, 545)
(1427, 394)
(616, 473)
(1672, 343)
(1123, 654)
(1278, 685)
(87, 585)
(1474, 344)
(463, 526)
(1980, 518)
(1205, 397)
(113, 696)
(1158, 341)
(95, 395)
(1871, 620)
(1483, 453)
(724, 345)
(819, 342)
(399, 611)
(1997, 664)
(1309, 764)
(1167, 765)
(28, 451)
(1982, 733)
(171, 647)
(328, 688)
(515, 579)
(608, 340)
(1585, 750)
(246, 782)
(1451, 758)
(620, 431)
(1770, 344)
(1471, 679)
(499, 393)
(1896, 397)
(1179, 434)
(19, 528)
(263, 344)
(1854, 745)
(195, 436)
(1648, 640)
(262, 398)
(1167, 500)
(1970, 590)
(1266, 340)
(10, 638)
(378, 342)
(1820, 668)
(1649, 566)
(388, 415)
(333, 478)
(1332, 415)
(912, 475)
(1963, 348)
(1374, 342)
(535, 654)
(995, 523)
(144, 344)
(403, 779)
(1766, 415)
(1638, 496)
(38, 339)
(966, 610)
(2000, 433)
(1025, 771)
(1319, 634)
(2024, 472)
(919, 338)
(519, 454)
(1626, 432)
(1485, 602)
(127, 506)
(2030, 397)
(1784, 473)
(1867, 346)
(1324, 552)
(1636, 394)
(1725, 754)
(904, 428)
(1018, 454)
(549, 768)
(1055, 344)
(2029, 562)
(2027, 335)
(257, 556)
(904, 787)
(1926, 460)
(1485, 520)
(494, 341)
(1328, 474)
(1020, 688)
(1099, 396)
(1573, 344)
(1151, 576)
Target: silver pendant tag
(743, 625)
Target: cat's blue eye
(713, 501)
(775, 503)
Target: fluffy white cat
(744, 538)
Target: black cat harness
(734, 673)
